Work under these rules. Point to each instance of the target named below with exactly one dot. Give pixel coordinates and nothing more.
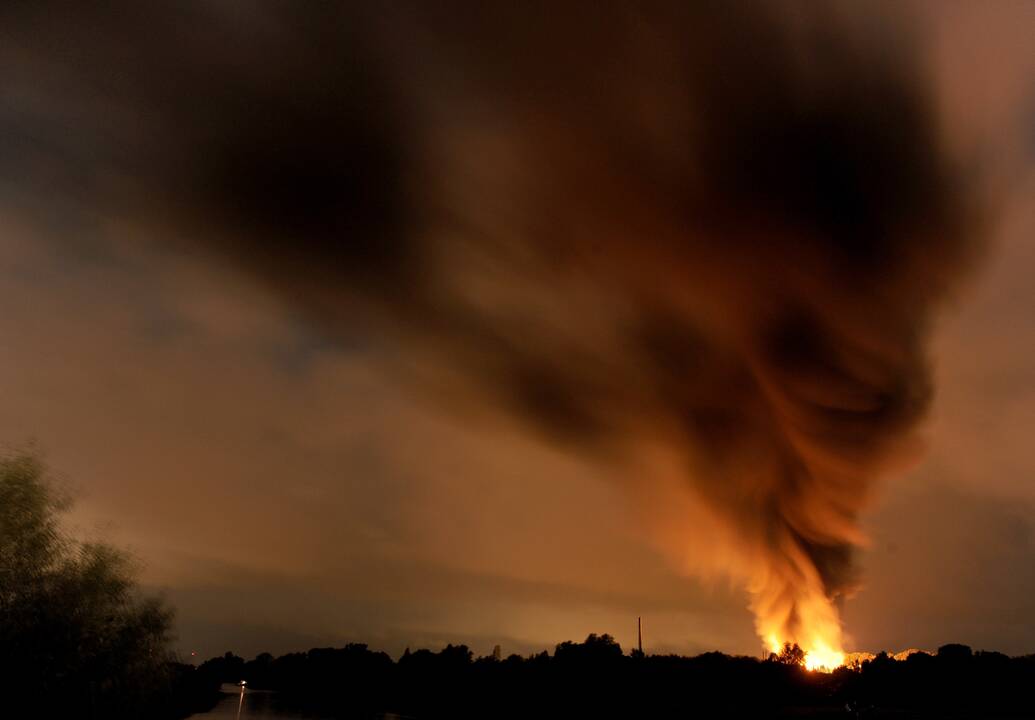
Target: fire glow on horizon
(819, 656)
(823, 658)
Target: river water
(250, 704)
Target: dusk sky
(291, 476)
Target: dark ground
(596, 679)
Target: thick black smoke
(725, 226)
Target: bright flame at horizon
(792, 607)
(819, 656)
(823, 658)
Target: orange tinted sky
(178, 397)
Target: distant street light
(240, 700)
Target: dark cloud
(724, 227)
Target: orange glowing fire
(817, 630)
(823, 658)
(792, 606)
(819, 656)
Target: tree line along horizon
(78, 635)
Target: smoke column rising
(723, 229)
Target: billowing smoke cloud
(715, 228)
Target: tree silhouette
(594, 679)
(74, 631)
(791, 655)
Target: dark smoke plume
(722, 227)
